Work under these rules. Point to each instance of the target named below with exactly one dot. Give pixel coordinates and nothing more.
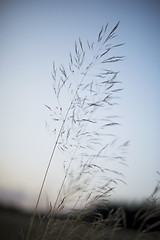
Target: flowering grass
(85, 92)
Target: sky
(36, 33)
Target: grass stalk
(98, 57)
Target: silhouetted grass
(104, 222)
(84, 93)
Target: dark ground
(14, 226)
(12, 223)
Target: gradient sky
(33, 35)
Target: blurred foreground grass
(14, 225)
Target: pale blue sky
(33, 34)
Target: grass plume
(82, 124)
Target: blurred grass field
(14, 226)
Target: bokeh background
(35, 33)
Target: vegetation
(85, 92)
(82, 122)
(140, 222)
(83, 132)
